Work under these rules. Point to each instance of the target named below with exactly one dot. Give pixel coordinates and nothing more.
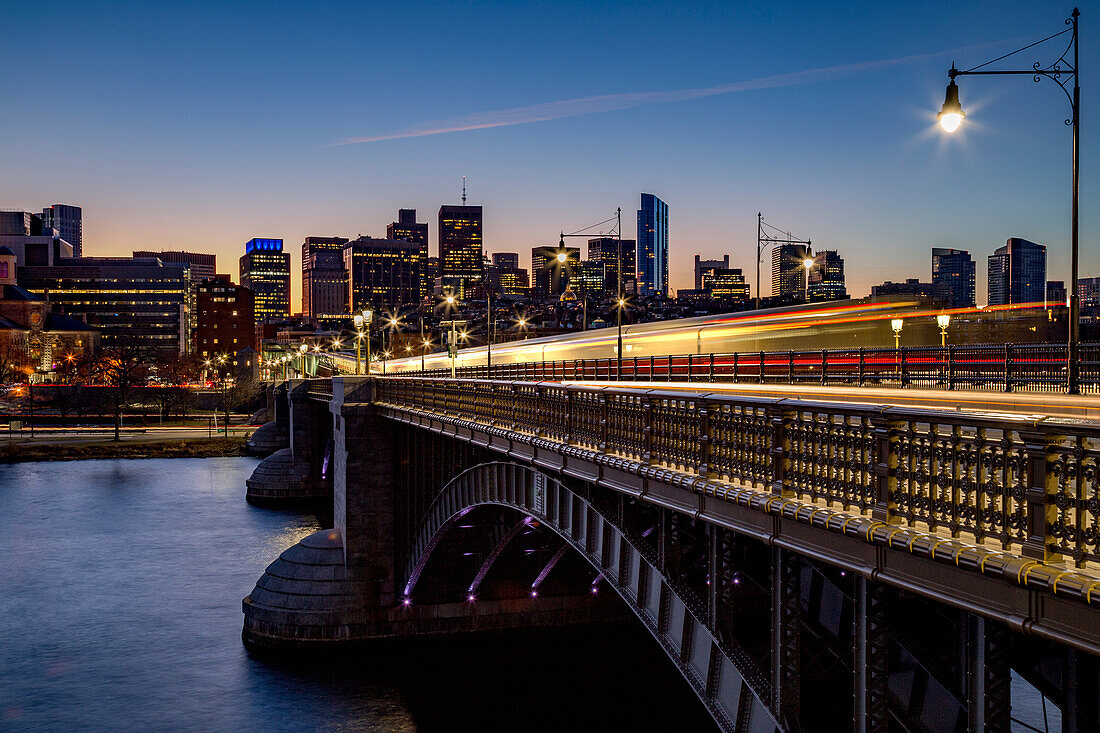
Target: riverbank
(192, 448)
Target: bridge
(803, 562)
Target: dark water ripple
(120, 590)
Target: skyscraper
(653, 246)
(702, 266)
(265, 269)
(507, 277)
(506, 260)
(954, 269)
(68, 221)
(1018, 273)
(324, 281)
(606, 250)
(406, 227)
(788, 270)
(826, 277)
(460, 253)
(551, 270)
(382, 273)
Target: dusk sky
(198, 126)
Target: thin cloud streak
(613, 102)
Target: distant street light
(943, 320)
(896, 324)
(807, 263)
(1060, 72)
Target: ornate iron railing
(1027, 485)
(1001, 367)
(319, 389)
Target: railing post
(691, 358)
(735, 367)
(824, 366)
(703, 467)
(904, 357)
(710, 372)
(887, 435)
(1042, 484)
(651, 362)
(515, 401)
(568, 416)
(761, 367)
(790, 366)
(951, 367)
(780, 452)
(1008, 367)
(540, 409)
(605, 421)
(647, 421)
(862, 362)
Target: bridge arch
(723, 678)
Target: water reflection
(121, 609)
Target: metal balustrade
(1027, 486)
(1000, 367)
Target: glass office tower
(653, 246)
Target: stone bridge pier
(274, 434)
(301, 471)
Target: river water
(120, 609)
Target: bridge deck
(1017, 403)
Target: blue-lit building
(265, 269)
(653, 246)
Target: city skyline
(163, 158)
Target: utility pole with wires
(765, 239)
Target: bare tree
(13, 357)
(123, 366)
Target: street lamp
(368, 316)
(943, 320)
(302, 358)
(1060, 72)
(896, 324)
(807, 263)
(563, 255)
(358, 341)
(766, 239)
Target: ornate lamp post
(943, 320)
(896, 324)
(951, 116)
(807, 263)
(358, 341)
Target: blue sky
(200, 125)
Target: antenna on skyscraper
(463, 190)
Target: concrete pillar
(310, 433)
(363, 493)
(274, 434)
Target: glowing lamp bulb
(951, 114)
(561, 257)
(950, 121)
(808, 263)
